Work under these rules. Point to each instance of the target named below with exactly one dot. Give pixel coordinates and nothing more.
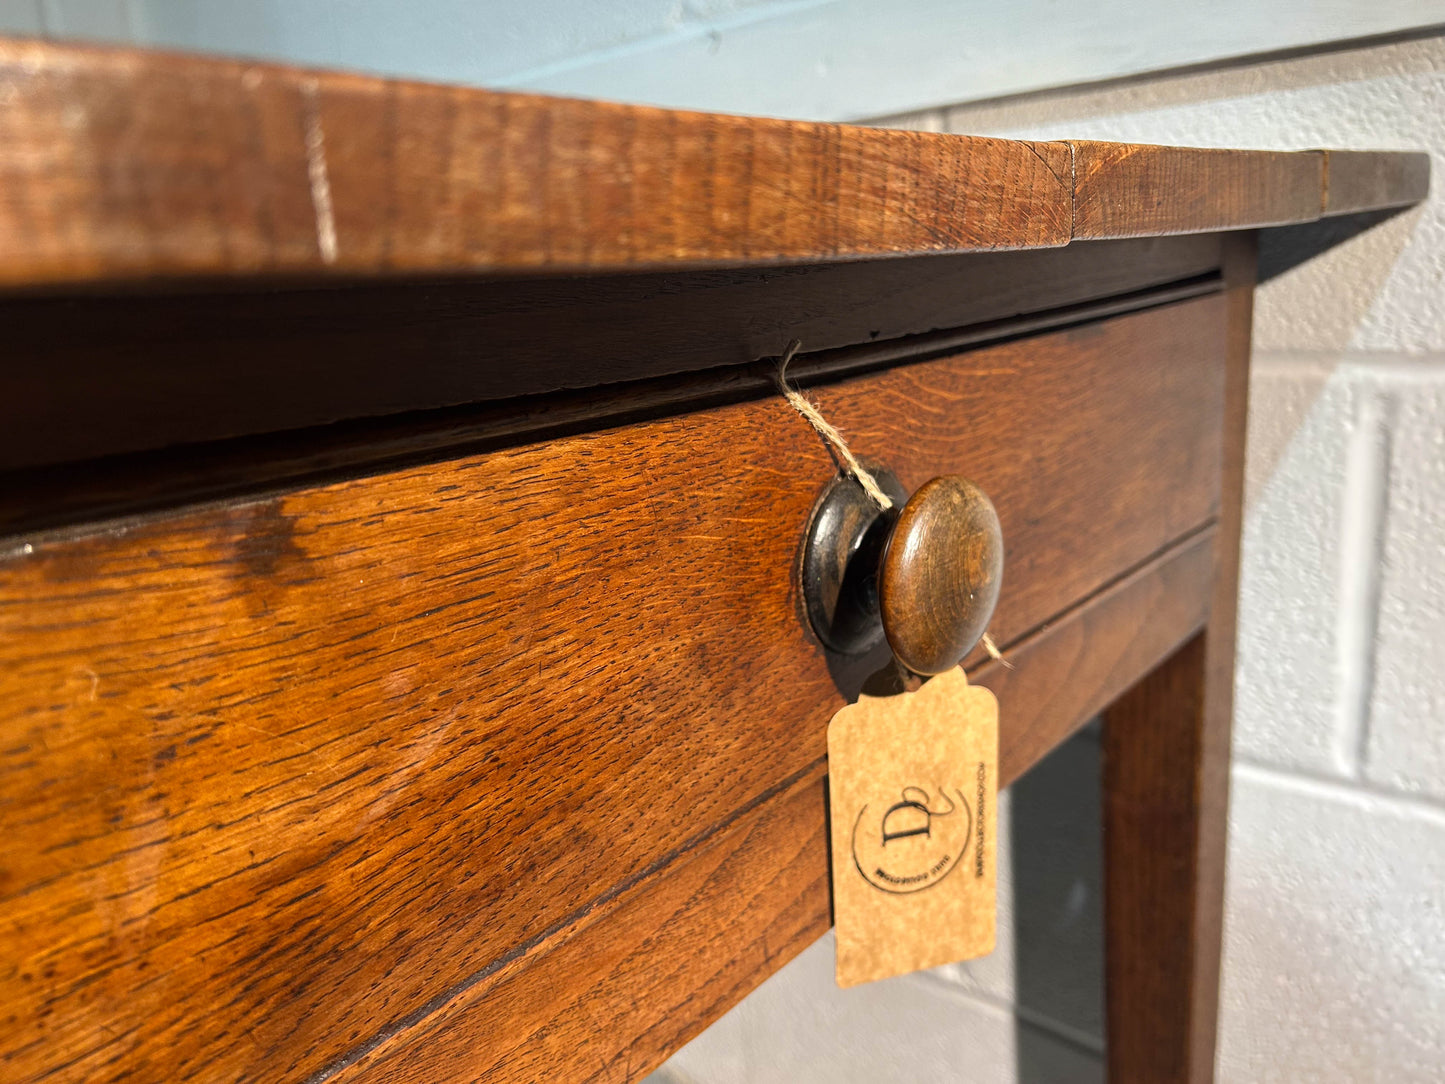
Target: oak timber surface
(1127, 190)
(119, 165)
(1166, 750)
(171, 165)
(680, 950)
(346, 748)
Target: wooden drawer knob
(926, 576)
(939, 578)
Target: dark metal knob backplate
(846, 536)
(925, 574)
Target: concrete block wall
(1335, 924)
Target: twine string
(829, 432)
(994, 653)
(825, 429)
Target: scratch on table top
(317, 174)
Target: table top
(122, 166)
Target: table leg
(1166, 782)
(1166, 795)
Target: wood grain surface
(940, 574)
(1129, 190)
(1137, 190)
(344, 749)
(647, 981)
(1166, 794)
(126, 166)
(1078, 664)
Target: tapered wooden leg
(1165, 793)
(1166, 796)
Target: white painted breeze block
(1335, 935)
(1299, 439)
(1406, 734)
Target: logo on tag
(913, 843)
(911, 797)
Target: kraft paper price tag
(913, 788)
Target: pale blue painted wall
(814, 59)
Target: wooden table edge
(272, 175)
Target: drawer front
(278, 775)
